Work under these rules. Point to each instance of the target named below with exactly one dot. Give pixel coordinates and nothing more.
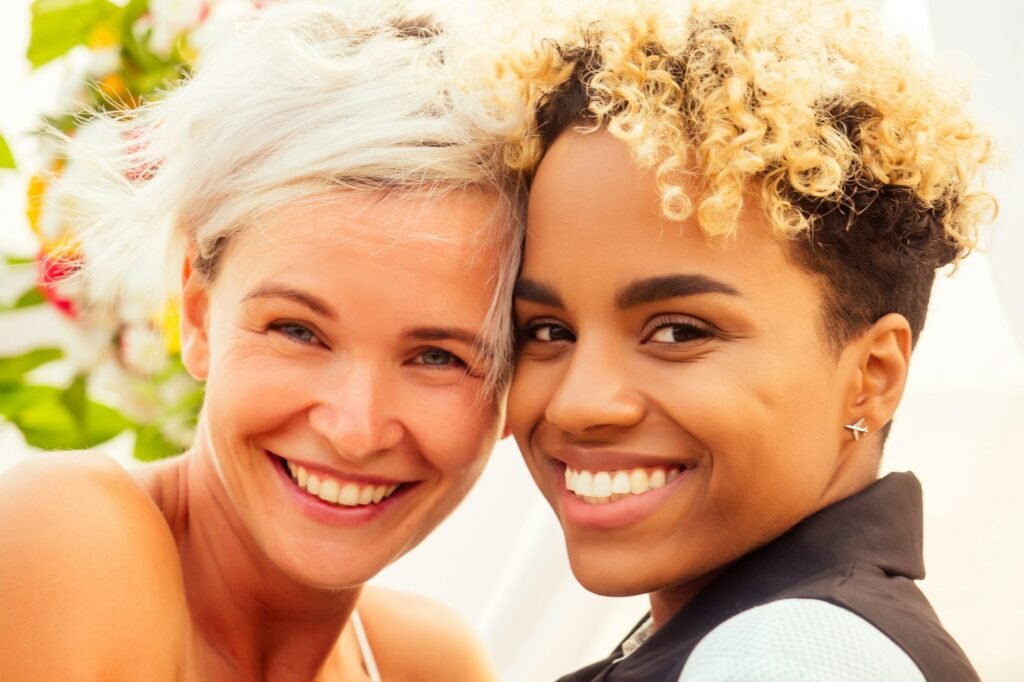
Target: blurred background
(73, 379)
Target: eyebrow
(450, 334)
(314, 303)
(653, 289)
(530, 290)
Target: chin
(610, 574)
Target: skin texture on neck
(250, 620)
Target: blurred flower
(56, 282)
(142, 350)
(170, 19)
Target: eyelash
(697, 329)
(528, 332)
(283, 328)
(455, 361)
(286, 329)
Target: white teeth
(349, 495)
(608, 486)
(329, 491)
(338, 492)
(656, 479)
(584, 483)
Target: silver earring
(857, 428)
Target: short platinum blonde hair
(305, 101)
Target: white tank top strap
(369, 662)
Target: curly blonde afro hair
(861, 154)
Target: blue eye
(296, 332)
(438, 357)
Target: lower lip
(331, 514)
(622, 512)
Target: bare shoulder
(415, 638)
(88, 568)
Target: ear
(883, 359)
(195, 346)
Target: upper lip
(341, 475)
(603, 459)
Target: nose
(595, 392)
(354, 415)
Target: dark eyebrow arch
(450, 334)
(654, 289)
(530, 290)
(314, 303)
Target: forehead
(592, 210)
(383, 260)
(441, 236)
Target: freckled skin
(743, 389)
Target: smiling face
(677, 402)
(346, 414)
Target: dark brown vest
(862, 553)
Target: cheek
(454, 430)
(528, 398)
(761, 425)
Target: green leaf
(73, 398)
(59, 25)
(20, 260)
(43, 416)
(29, 299)
(6, 157)
(151, 445)
(14, 368)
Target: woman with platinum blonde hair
(345, 238)
(737, 210)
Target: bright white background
(499, 560)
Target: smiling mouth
(601, 487)
(337, 491)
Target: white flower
(171, 18)
(143, 350)
(15, 280)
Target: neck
(251, 620)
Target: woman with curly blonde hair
(737, 212)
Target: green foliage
(60, 25)
(19, 260)
(151, 445)
(13, 369)
(31, 298)
(49, 417)
(60, 419)
(6, 157)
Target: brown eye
(678, 333)
(549, 333)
